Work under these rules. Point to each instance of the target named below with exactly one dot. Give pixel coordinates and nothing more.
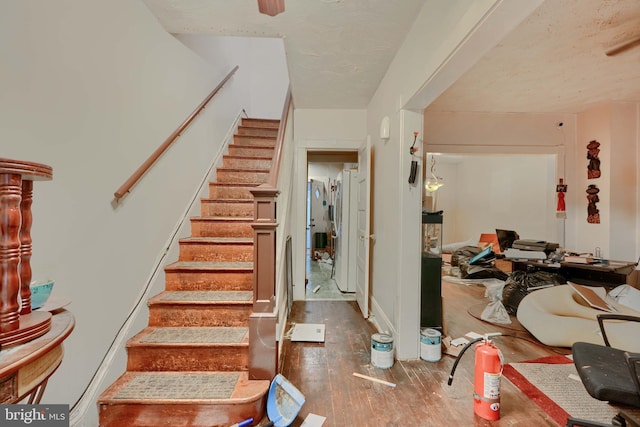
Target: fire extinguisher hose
(455, 364)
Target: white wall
(92, 88)
(486, 192)
(508, 137)
(266, 89)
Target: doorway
(325, 171)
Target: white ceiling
(339, 50)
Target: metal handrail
(135, 177)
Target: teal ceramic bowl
(40, 293)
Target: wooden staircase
(189, 366)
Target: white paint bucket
(430, 344)
(382, 350)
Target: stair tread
(218, 200)
(210, 265)
(235, 156)
(248, 135)
(223, 218)
(202, 297)
(236, 184)
(191, 335)
(250, 170)
(187, 387)
(226, 240)
(259, 147)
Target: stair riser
(225, 192)
(234, 209)
(188, 358)
(202, 228)
(241, 176)
(186, 414)
(239, 150)
(254, 131)
(246, 163)
(252, 140)
(206, 315)
(208, 281)
(216, 252)
(259, 123)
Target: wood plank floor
(324, 372)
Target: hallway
(319, 274)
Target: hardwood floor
(324, 372)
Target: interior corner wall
(624, 233)
(92, 88)
(263, 67)
(594, 124)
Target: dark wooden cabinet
(431, 271)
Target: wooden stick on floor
(355, 374)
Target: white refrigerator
(346, 212)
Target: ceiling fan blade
(623, 47)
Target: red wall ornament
(593, 213)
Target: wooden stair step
(195, 399)
(227, 190)
(241, 176)
(192, 276)
(221, 227)
(257, 131)
(200, 308)
(272, 123)
(189, 348)
(255, 140)
(247, 162)
(227, 207)
(250, 150)
(220, 249)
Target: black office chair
(609, 374)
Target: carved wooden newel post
(263, 351)
(17, 323)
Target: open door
(317, 218)
(364, 226)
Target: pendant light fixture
(433, 182)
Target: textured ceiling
(555, 62)
(339, 50)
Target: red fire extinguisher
(487, 374)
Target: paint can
(382, 350)
(430, 344)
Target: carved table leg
(10, 223)
(26, 247)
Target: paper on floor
(313, 420)
(309, 332)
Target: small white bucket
(430, 344)
(382, 350)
